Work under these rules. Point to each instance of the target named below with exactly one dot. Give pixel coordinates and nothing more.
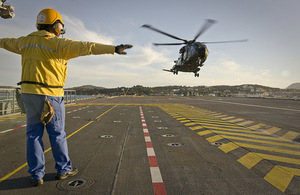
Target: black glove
(119, 49)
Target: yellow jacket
(44, 59)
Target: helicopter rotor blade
(167, 34)
(157, 44)
(208, 23)
(233, 41)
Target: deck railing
(8, 102)
(9, 105)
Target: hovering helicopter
(193, 54)
(6, 10)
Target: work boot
(37, 182)
(71, 173)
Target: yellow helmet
(48, 16)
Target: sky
(270, 57)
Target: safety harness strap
(37, 83)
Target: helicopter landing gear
(175, 72)
(196, 72)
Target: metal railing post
(70, 96)
(14, 100)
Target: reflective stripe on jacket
(44, 59)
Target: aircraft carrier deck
(165, 145)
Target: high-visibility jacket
(44, 59)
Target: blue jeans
(35, 129)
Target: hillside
(294, 86)
(220, 90)
(86, 87)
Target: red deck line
(157, 181)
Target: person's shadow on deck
(22, 182)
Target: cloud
(142, 65)
(145, 57)
(77, 30)
(285, 73)
(229, 72)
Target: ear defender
(59, 28)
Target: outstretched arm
(71, 49)
(10, 44)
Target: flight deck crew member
(44, 71)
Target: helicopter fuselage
(190, 58)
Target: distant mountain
(88, 90)
(86, 87)
(294, 86)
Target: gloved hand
(47, 113)
(119, 49)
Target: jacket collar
(42, 33)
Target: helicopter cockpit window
(193, 48)
(185, 55)
(182, 50)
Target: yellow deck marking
(190, 124)
(213, 121)
(235, 130)
(221, 125)
(280, 177)
(47, 150)
(219, 116)
(290, 135)
(215, 114)
(14, 116)
(250, 160)
(292, 170)
(185, 121)
(258, 126)
(272, 130)
(266, 148)
(248, 135)
(228, 147)
(245, 123)
(8, 117)
(214, 138)
(227, 118)
(13, 172)
(261, 141)
(180, 118)
(279, 158)
(236, 120)
(204, 132)
(196, 128)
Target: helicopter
(193, 55)
(6, 10)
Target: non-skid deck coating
(187, 150)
